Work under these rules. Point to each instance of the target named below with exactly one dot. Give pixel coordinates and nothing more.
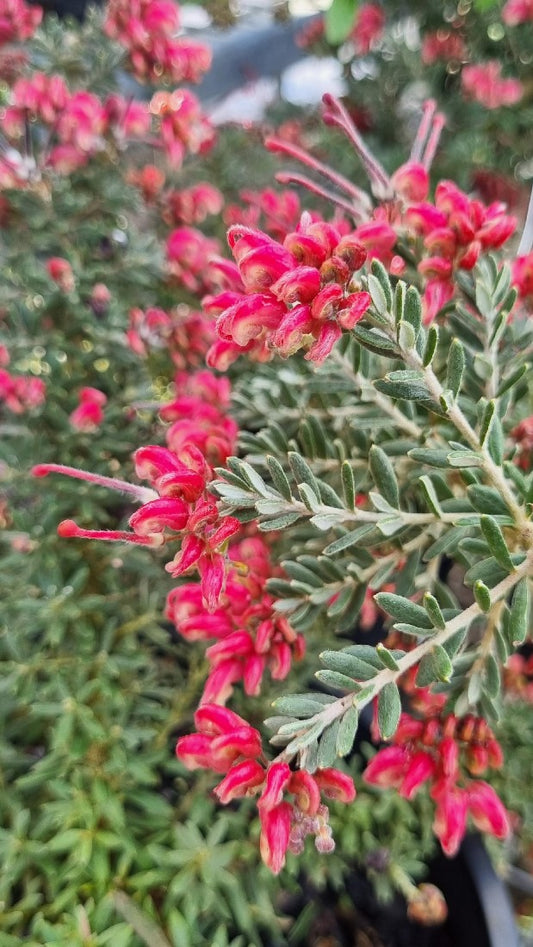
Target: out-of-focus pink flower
(150, 180)
(148, 30)
(443, 46)
(60, 271)
(99, 299)
(89, 414)
(188, 252)
(517, 11)
(483, 83)
(18, 20)
(20, 393)
(182, 125)
(192, 205)
(436, 751)
(368, 27)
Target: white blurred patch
(247, 104)
(305, 82)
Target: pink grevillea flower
(18, 20)
(250, 636)
(368, 27)
(147, 29)
(126, 118)
(436, 751)
(20, 393)
(483, 83)
(182, 125)
(226, 744)
(178, 504)
(89, 414)
(222, 739)
(444, 45)
(188, 251)
(192, 205)
(275, 212)
(516, 12)
(150, 180)
(60, 271)
(296, 294)
(40, 97)
(523, 436)
(522, 271)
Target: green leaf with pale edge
(336, 680)
(279, 477)
(384, 476)
(348, 664)
(412, 311)
(433, 458)
(327, 747)
(456, 367)
(519, 617)
(442, 666)
(348, 540)
(389, 710)
(434, 612)
(349, 488)
(496, 542)
(482, 595)
(431, 345)
(296, 705)
(347, 731)
(386, 657)
(403, 609)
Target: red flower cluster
(275, 212)
(432, 751)
(288, 296)
(19, 393)
(18, 21)
(188, 251)
(191, 205)
(226, 744)
(523, 276)
(148, 30)
(443, 46)
(60, 271)
(455, 231)
(77, 123)
(368, 27)
(518, 677)
(89, 414)
(185, 334)
(483, 83)
(182, 125)
(523, 436)
(516, 12)
(250, 636)
(178, 501)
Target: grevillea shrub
(320, 434)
